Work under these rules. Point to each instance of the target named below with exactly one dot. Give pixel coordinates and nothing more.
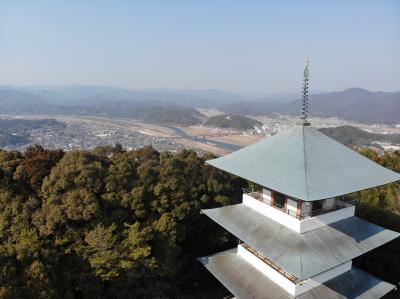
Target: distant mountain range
(160, 105)
(89, 95)
(40, 102)
(354, 104)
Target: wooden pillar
(272, 197)
(299, 203)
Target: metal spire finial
(304, 108)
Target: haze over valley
(206, 120)
(353, 104)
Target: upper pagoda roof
(306, 164)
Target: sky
(248, 47)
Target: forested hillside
(13, 102)
(350, 136)
(382, 206)
(113, 224)
(233, 121)
(107, 223)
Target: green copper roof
(305, 164)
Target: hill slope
(249, 108)
(20, 102)
(349, 135)
(234, 122)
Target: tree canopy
(108, 223)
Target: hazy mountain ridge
(17, 102)
(13, 101)
(88, 95)
(354, 104)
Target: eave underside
(302, 255)
(245, 282)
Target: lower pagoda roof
(302, 255)
(245, 281)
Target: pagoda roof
(302, 255)
(244, 281)
(305, 164)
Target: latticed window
(317, 206)
(280, 199)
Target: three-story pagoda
(298, 236)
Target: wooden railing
(274, 266)
(259, 197)
(304, 215)
(337, 206)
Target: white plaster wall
(267, 194)
(292, 222)
(271, 273)
(273, 213)
(325, 219)
(305, 207)
(291, 205)
(285, 283)
(328, 203)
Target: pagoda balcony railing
(269, 262)
(338, 204)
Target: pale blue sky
(241, 46)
